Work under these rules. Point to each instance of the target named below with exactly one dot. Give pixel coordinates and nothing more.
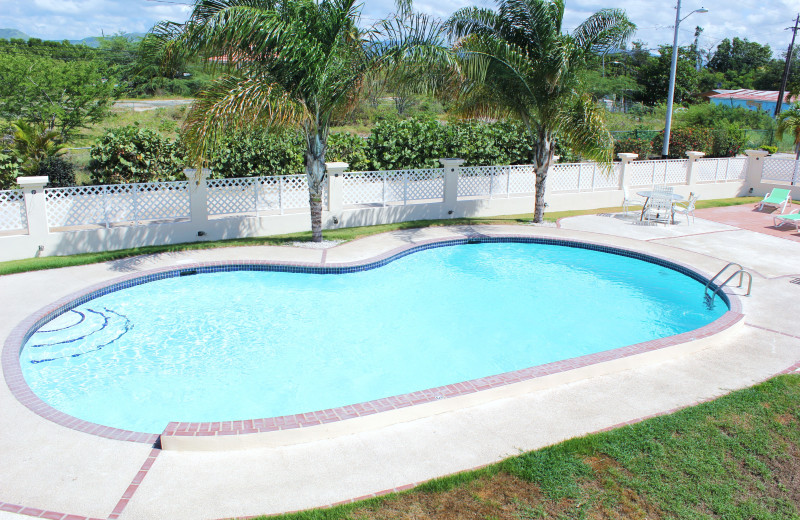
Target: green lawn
(345, 234)
(734, 458)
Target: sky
(763, 21)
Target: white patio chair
(659, 207)
(628, 201)
(686, 208)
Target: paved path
(142, 105)
(52, 468)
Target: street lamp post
(672, 72)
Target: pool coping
(176, 434)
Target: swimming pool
(311, 342)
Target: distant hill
(8, 34)
(94, 41)
(91, 41)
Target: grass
(344, 234)
(732, 458)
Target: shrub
(9, 171)
(259, 154)
(682, 140)
(770, 149)
(349, 148)
(132, 154)
(643, 147)
(413, 143)
(728, 141)
(59, 171)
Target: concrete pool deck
(57, 472)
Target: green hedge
(643, 147)
(259, 154)
(133, 154)
(9, 170)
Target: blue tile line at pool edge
(305, 269)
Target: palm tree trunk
(315, 172)
(543, 157)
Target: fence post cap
(627, 156)
(33, 182)
(451, 161)
(695, 155)
(756, 153)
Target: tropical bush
(768, 148)
(412, 143)
(728, 141)
(59, 171)
(349, 148)
(9, 170)
(643, 147)
(133, 154)
(682, 140)
(259, 154)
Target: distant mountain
(7, 34)
(91, 41)
(94, 41)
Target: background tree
(298, 64)
(519, 62)
(653, 76)
(61, 95)
(789, 121)
(34, 143)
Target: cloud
(758, 20)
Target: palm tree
(290, 63)
(33, 143)
(518, 62)
(789, 121)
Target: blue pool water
(244, 345)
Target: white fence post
(335, 186)
(198, 198)
(626, 159)
(33, 192)
(452, 169)
(690, 166)
(755, 168)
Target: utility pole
(786, 67)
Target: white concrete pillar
(690, 167)
(335, 187)
(452, 168)
(33, 192)
(198, 199)
(755, 167)
(626, 159)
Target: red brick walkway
(748, 217)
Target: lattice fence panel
(606, 178)
(649, 173)
(231, 196)
(425, 184)
(161, 201)
(116, 204)
(477, 181)
(522, 179)
(563, 177)
(737, 168)
(268, 193)
(363, 188)
(13, 216)
(776, 169)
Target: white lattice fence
(649, 173)
(383, 187)
(720, 170)
(13, 216)
(582, 177)
(786, 170)
(117, 204)
(254, 194)
(482, 181)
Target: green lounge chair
(777, 197)
(793, 218)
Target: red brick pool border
(13, 372)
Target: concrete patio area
(51, 471)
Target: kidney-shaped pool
(243, 342)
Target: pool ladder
(739, 270)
